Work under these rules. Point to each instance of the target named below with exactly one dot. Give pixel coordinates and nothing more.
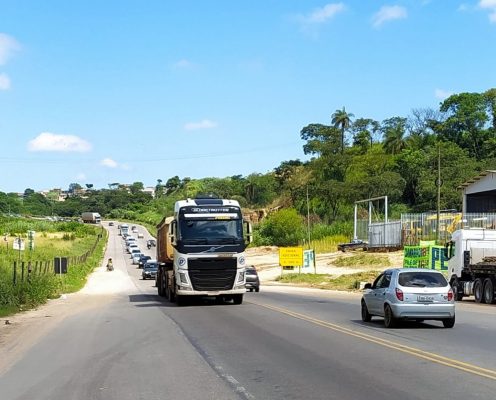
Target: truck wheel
(478, 291)
(488, 291)
(169, 289)
(449, 322)
(457, 291)
(237, 298)
(160, 284)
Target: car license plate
(425, 299)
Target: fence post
(15, 273)
(22, 271)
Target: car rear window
(251, 272)
(422, 279)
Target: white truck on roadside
(471, 255)
(91, 218)
(200, 251)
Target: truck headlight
(241, 277)
(183, 278)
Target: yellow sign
(290, 256)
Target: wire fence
(25, 270)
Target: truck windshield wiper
(196, 241)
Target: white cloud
(183, 64)
(8, 45)
(489, 5)
(4, 82)
(47, 141)
(108, 162)
(203, 124)
(442, 94)
(388, 13)
(323, 14)
(81, 176)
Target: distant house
(479, 193)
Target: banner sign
(308, 258)
(430, 257)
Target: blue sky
(124, 91)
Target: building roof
(477, 178)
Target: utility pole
(438, 183)
(308, 219)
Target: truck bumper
(210, 293)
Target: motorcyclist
(110, 265)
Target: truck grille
(212, 273)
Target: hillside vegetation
(351, 158)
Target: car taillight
(450, 294)
(399, 294)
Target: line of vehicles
(148, 265)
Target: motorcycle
(110, 266)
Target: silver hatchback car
(409, 294)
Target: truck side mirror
(172, 233)
(249, 233)
(448, 250)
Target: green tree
(283, 228)
(342, 120)
(394, 130)
(466, 116)
(136, 187)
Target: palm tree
(394, 135)
(342, 120)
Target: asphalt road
(281, 343)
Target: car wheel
(389, 319)
(478, 291)
(366, 317)
(449, 322)
(488, 291)
(257, 289)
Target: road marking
(435, 358)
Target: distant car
(134, 229)
(252, 280)
(111, 223)
(409, 294)
(150, 270)
(151, 243)
(143, 259)
(135, 252)
(131, 246)
(140, 235)
(136, 257)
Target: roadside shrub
(283, 228)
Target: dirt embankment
(266, 260)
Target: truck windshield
(211, 231)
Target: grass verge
(36, 287)
(324, 281)
(362, 260)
